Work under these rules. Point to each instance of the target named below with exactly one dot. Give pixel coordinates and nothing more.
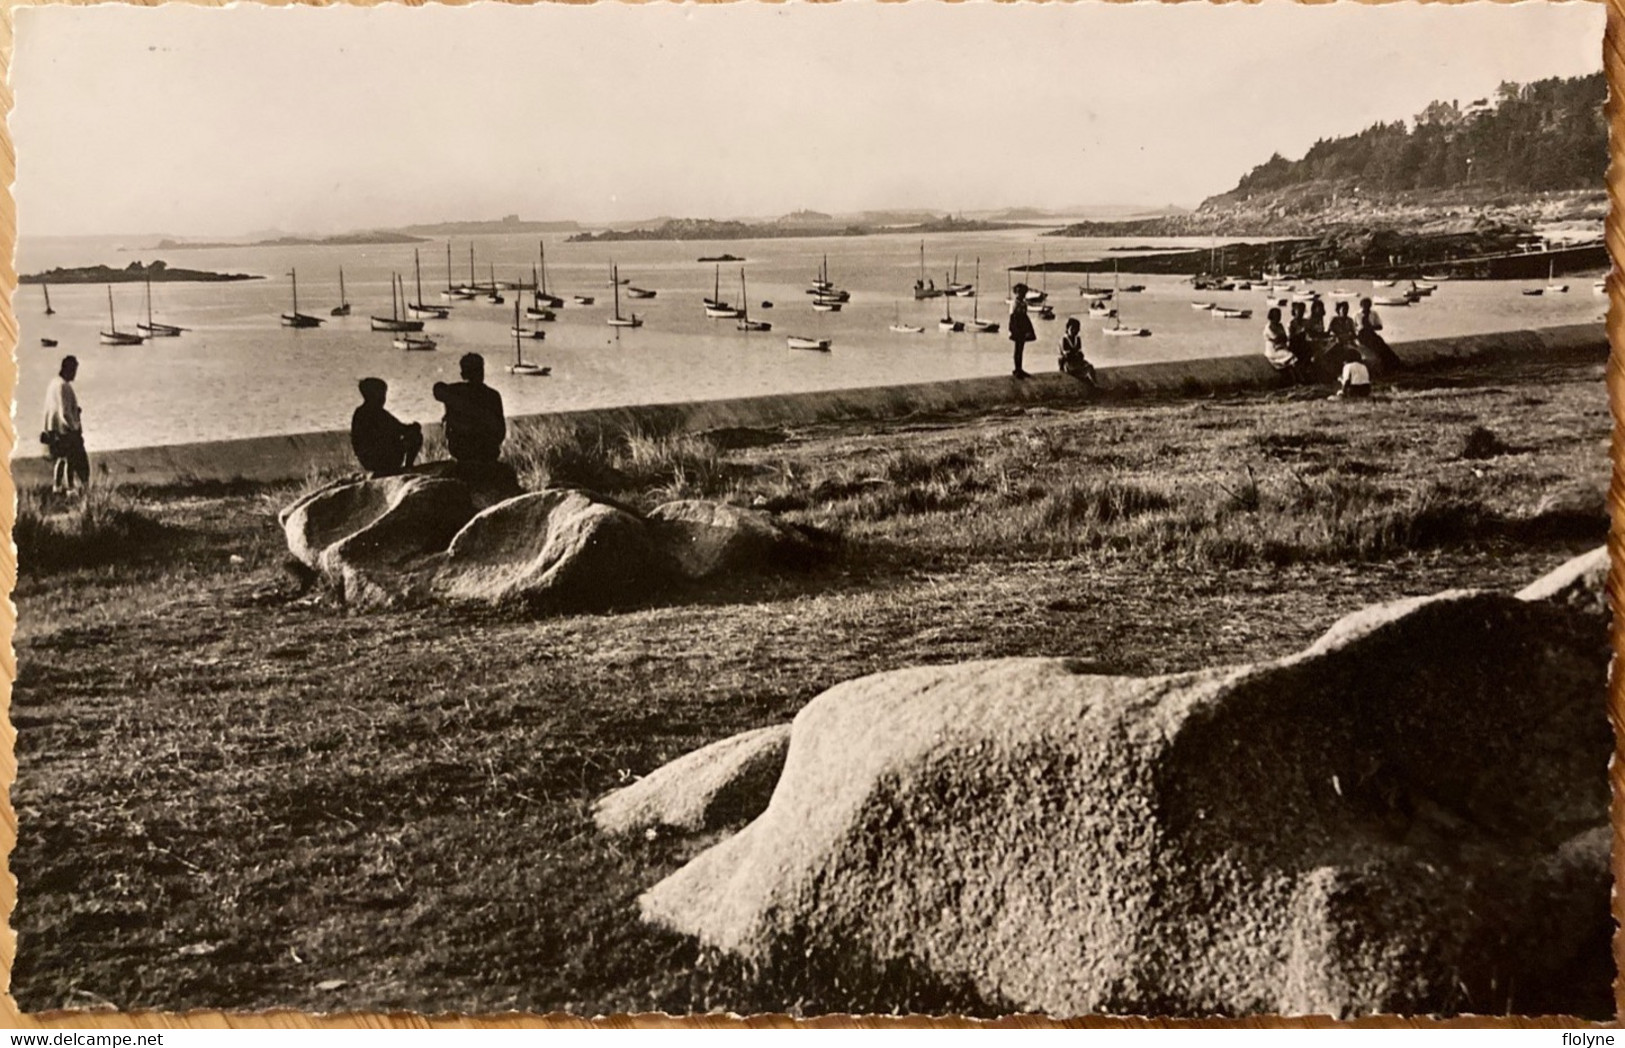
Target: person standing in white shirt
(63, 431)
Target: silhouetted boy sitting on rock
(475, 426)
(384, 445)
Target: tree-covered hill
(1547, 135)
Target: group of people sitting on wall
(1309, 349)
(475, 425)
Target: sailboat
(976, 323)
(343, 308)
(1034, 295)
(543, 299)
(922, 288)
(824, 291)
(745, 322)
(1552, 287)
(520, 365)
(493, 295)
(297, 319)
(153, 329)
(1041, 307)
(901, 328)
(405, 340)
(955, 287)
(536, 310)
(453, 293)
(532, 332)
(395, 322)
(113, 336)
(639, 292)
(617, 320)
(1118, 329)
(715, 308)
(421, 308)
(948, 323)
(47, 289)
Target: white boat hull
(907, 329)
(413, 344)
(120, 338)
(820, 345)
(529, 369)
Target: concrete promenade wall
(292, 456)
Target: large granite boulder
(364, 535)
(558, 549)
(1409, 816)
(488, 482)
(723, 783)
(706, 539)
(1580, 583)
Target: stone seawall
(292, 456)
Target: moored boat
(343, 308)
(633, 321)
(800, 342)
(295, 319)
(113, 336)
(520, 365)
(395, 322)
(153, 329)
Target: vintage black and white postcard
(1071, 508)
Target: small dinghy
(820, 345)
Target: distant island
(158, 271)
(798, 224)
(366, 239)
(720, 258)
(505, 224)
(1535, 154)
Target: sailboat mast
(471, 280)
(149, 302)
(417, 275)
(518, 351)
(293, 274)
(976, 292)
(744, 303)
(448, 265)
(535, 289)
(615, 282)
(112, 325)
(541, 287)
(48, 310)
(394, 310)
(341, 287)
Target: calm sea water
(238, 373)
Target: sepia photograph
(1069, 509)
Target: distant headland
(797, 224)
(158, 271)
(364, 239)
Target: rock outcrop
(1408, 816)
(1581, 584)
(464, 532)
(717, 785)
(560, 548)
(706, 539)
(364, 535)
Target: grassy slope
(230, 796)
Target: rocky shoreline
(157, 271)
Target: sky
(198, 121)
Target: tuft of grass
(1482, 443)
(100, 525)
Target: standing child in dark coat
(1021, 327)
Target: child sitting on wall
(1071, 359)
